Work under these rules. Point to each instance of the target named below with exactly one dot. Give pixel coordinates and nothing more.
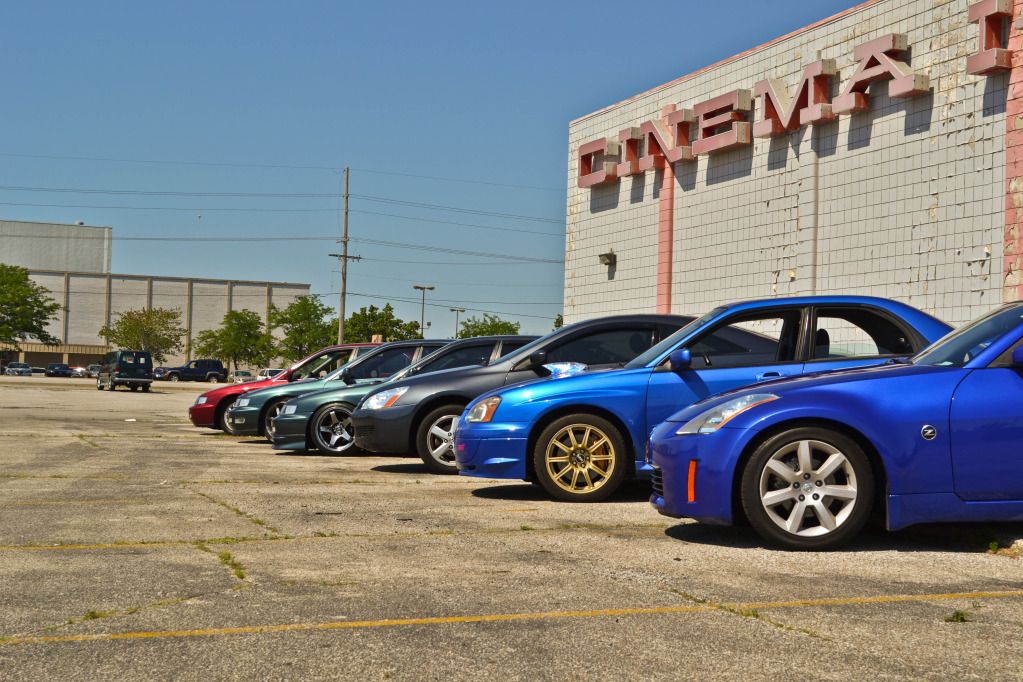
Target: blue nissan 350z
(808, 460)
(579, 437)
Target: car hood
(811, 382)
(588, 382)
(308, 402)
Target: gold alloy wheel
(580, 458)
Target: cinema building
(878, 151)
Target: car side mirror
(1017, 357)
(680, 359)
(537, 359)
(346, 376)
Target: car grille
(658, 482)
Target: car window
(857, 332)
(383, 364)
(478, 354)
(511, 346)
(753, 339)
(607, 347)
(321, 365)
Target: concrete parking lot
(134, 546)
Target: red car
(208, 409)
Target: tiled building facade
(901, 182)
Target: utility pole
(344, 267)
(422, 308)
(456, 311)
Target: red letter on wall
(721, 122)
(779, 113)
(992, 56)
(588, 176)
(878, 63)
(668, 143)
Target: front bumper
(202, 415)
(714, 456)
(290, 432)
(492, 450)
(244, 421)
(387, 430)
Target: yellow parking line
(504, 617)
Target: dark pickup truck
(212, 371)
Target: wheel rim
(440, 439)
(808, 488)
(334, 430)
(174, 377)
(214, 380)
(275, 410)
(580, 458)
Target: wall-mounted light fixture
(609, 258)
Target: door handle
(770, 375)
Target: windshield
(962, 345)
(321, 364)
(667, 344)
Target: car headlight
(201, 400)
(289, 409)
(242, 402)
(383, 399)
(716, 417)
(483, 411)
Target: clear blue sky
(467, 90)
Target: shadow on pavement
(969, 538)
(407, 468)
(632, 491)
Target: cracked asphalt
(148, 549)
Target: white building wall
(904, 200)
(55, 246)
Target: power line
(442, 305)
(174, 208)
(166, 193)
(448, 222)
(454, 209)
(463, 180)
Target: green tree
(304, 327)
(157, 330)
(241, 338)
(366, 322)
(490, 325)
(25, 308)
(559, 321)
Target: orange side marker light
(691, 488)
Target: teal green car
(252, 414)
(322, 420)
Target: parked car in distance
(579, 437)
(38, 370)
(94, 370)
(807, 461)
(208, 409)
(18, 369)
(322, 420)
(253, 413)
(267, 373)
(418, 414)
(240, 376)
(131, 368)
(79, 372)
(58, 369)
(212, 371)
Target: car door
(597, 348)
(856, 336)
(986, 421)
(744, 348)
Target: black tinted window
(383, 364)
(609, 347)
(512, 346)
(756, 339)
(468, 355)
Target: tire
(134, 388)
(213, 379)
(99, 384)
(145, 388)
(781, 481)
(220, 418)
(580, 458)
(330, 429)
(111, 386)
(434, 439)
(174, 378)
(272, 409)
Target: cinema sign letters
(723, 122)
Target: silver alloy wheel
(334, 430)
(808, 488)
(175, 378)
(440, 440)
(268, 426)
(214, 379)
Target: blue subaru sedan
(579, 437)
(808, 460)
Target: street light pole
(456, 311)
(344, 268)
(422, 308)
